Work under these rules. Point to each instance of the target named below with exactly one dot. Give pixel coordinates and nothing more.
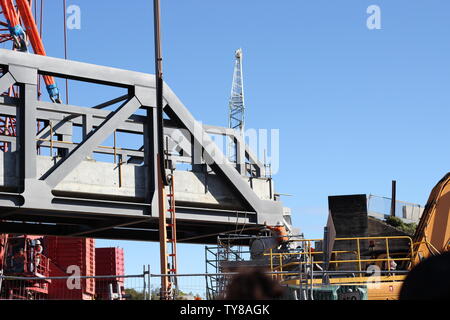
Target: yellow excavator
(432, 235)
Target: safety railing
(380, 207)
(42, 265)
(285, 261)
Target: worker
(280, 232)
(37, 253)
(392, 265)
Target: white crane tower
(236, 104)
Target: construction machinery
(24, 33)
(23, 257)
(371, 265)
(126, 198)
(432, 235)
(236, 103)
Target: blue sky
(355, 107)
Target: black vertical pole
(162, 179)
(393, 198)
(159, 89)
(325, 249)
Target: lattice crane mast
(236, 104)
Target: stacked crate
(3, 240)
(65, 253)
(109, 262)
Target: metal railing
(380, 207)
(285, 261)
(114, 287)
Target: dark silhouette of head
(253, 284)
(429, 280)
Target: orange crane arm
(432, 235)
(10, 13)
(30, 26)
(13, 20)
(25, 13)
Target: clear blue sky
(356, 108)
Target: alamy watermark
(374, 20)
(73, 18)
(73, 281)
(224, 145)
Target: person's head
(429, 280)
(253, 284)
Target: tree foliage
(398, 223)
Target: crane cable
(65, 46)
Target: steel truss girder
(35, 199)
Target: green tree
(409, 228)
(134, 294)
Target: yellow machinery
(433, 232)
(374, 272)
(432, 237)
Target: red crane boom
(29, 31)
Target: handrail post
(271, 263)
(280, 258)
(388, 255)
(359, 256)
(411, 247)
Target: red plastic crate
(109, 261)
(65, 251)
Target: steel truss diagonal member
(6, 81)
(55, 175)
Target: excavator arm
(432, 235)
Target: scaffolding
(216, 258)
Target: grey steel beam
(151, 160)
(77, 70)
(6, 100)
(232, 133)
(36, 229)
(27, 133)
(268, 211)
(6, 81)
(69, 112)
(84, 149)
(41, 201)
(111, 102)
(103, 227)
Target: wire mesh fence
(380, 207)
(145, 286)
(201, 286)
(134, 287)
